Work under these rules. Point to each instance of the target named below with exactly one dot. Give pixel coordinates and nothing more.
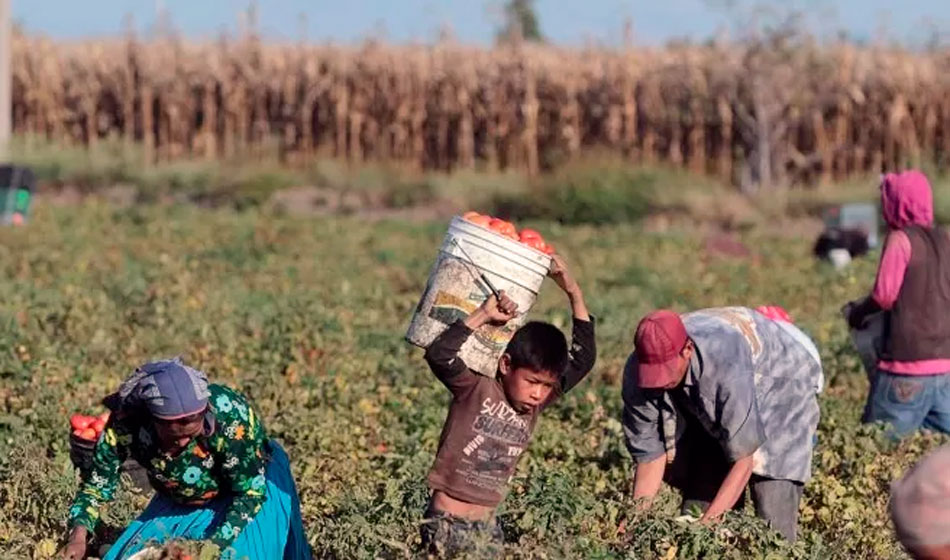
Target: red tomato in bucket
(470, 214)
(527, 234)
(503, 227)
(89, 435)
(480, 220)
(537, 244)
(80, 422)
(99, 425)
(77, 433)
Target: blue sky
(474, 21)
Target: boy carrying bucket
(490, 421)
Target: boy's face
(526, 389)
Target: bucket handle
(481, 275)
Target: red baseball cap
(660, 338)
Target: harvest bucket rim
(532, 257)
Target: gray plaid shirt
(752, 383)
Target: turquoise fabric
(275, 532)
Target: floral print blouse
(232, 460)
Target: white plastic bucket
(453, 290)
(868, 340)
(839, 258)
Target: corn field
(770, 112)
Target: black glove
(857, 312)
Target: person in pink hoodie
(911, 388)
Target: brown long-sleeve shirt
(484, 436)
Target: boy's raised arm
(565, 280)
(583, 345)
(443, 354)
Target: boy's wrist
(477, 319)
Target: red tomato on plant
(80, 422)
(89, 435)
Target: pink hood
(906, 200)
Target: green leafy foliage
(307, 317)
(585, 194)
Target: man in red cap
(720, 399)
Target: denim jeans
(909, 402)
(447, 536)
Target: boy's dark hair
(539, 347)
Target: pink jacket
(906, 200)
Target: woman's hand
(75, 549)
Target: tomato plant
(307, 316)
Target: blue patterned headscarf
(167, 389)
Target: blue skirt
(276, 532)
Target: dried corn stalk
(774, 112)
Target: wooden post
(6, 84)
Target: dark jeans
(909, 402)
(699, 468)
(447, 536)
